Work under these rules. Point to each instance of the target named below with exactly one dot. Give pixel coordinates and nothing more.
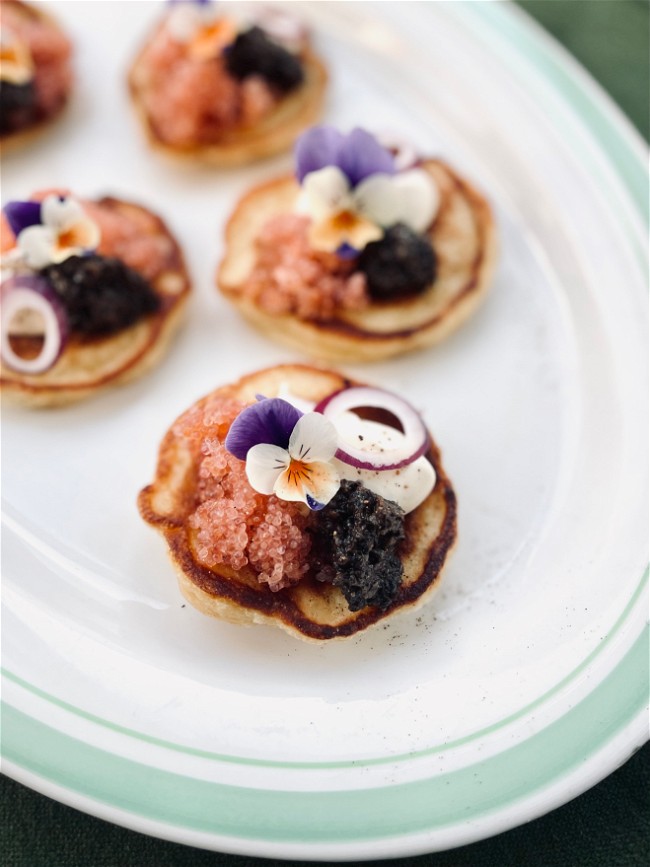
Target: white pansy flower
(342, 215)
(303, 472)
(16, 64)
(65, 230)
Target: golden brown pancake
(89, 364)
(14, 141)
(274, 134)
(310, 609)
(464, 240)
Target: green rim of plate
(352, 763)
(460, 796)
(335, 816)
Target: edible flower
(352, 190)
(287, 453)
(50, 231)
(196, 24)
(16, 64)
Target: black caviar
(400, 264)
(253, 53)
(355, 545)
(17, 106)
(101, 295)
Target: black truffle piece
(400, 264)
(355, 542)
(101, 295)
(253, 53)
(17, 106)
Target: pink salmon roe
(192, 101)
(51, 51)
(291, 277)
(234, 525)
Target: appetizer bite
(35, 70)
(297, 498)
(207, 86)
(91, 294)
(363, 254)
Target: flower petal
(314, 438)
(418, 198)
(61, 212)
(271, 420)
(362, 156)
(20, 215)
(324, 192)
(264, 465)
(314, 483)
(379, 199)
(320, 146)
(82, 235)
(37, 245)
(339, 230)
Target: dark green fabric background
(608, 826)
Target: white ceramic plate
(525, 681)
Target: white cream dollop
(408, 487)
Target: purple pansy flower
(352, 192)
(358, 154)
(287, 453)
(50, 231)
(270, 420)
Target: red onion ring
(27, 292)
(416, 436)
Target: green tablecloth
(608, 826)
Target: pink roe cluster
(50, 51)
(291, 277)
(191, 101)
(232, 524)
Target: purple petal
(271, 420)
(320, 146)
(362, 156)
(347, 251)
(20, 215)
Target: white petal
(377, 199)
(314, 484)
(264, 464)
(418, 198)
(37, 244)
(325, 192)
(313, 438)
(183, 21)
(60, 214)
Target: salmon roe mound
(130, 234)
(51, 52)
(289, 276)
(232, 524)
(191, 101)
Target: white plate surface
(525, 681)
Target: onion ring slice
(25, 294)
(416, 436)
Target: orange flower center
(211, 38)
(298, 473)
